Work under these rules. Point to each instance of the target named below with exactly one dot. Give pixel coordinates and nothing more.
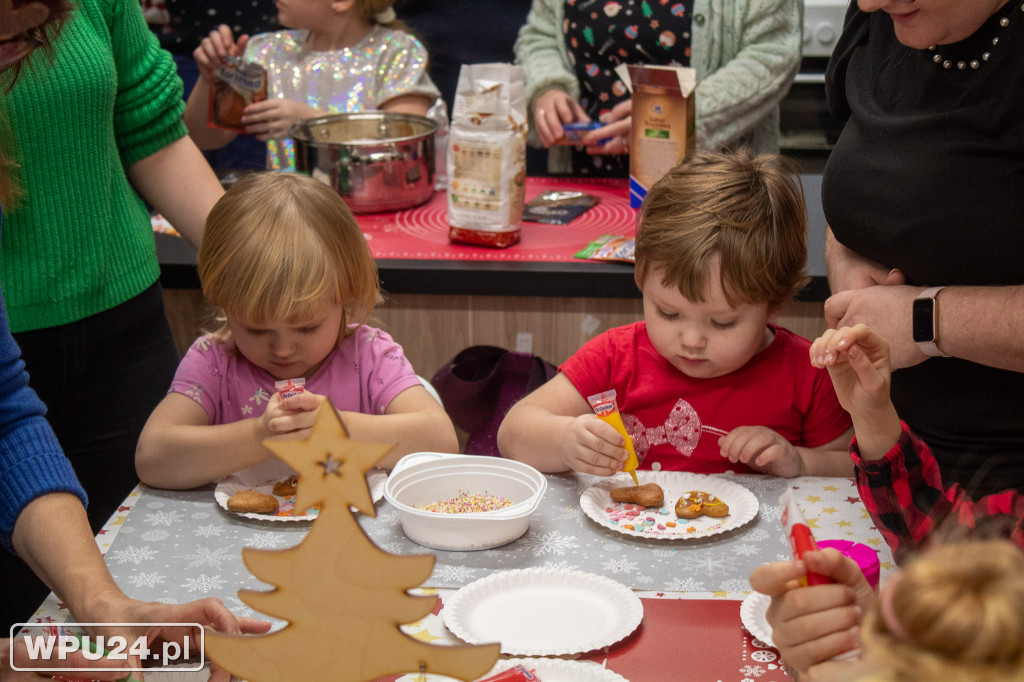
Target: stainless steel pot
(376, 160)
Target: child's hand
(271, 119)
(762, 449)
(857, 359)
(810, 625)
(219, 44)
(293, 416)
(592, 446)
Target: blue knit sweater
(31, 461)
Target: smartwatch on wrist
(925, 322)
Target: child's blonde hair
(749, 209)
(277, 245)
(959, 615)
(380, 12)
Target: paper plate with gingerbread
(266, 492)
(669, 505)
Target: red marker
(799, 535)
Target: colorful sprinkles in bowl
(465, 503)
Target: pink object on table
(866, 557)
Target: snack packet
(558, 207)
(289, 387)
(487, 156)
(610, 247)
(236, 85)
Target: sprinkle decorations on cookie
(465, 503)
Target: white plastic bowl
(422, 478)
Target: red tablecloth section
(422, 232)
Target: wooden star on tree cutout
(330, 464)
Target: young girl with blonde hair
(339, 56)
(955, 613)
(285, 262)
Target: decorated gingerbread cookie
(698, 503)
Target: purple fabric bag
(479, 386)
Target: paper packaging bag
(236, 85)
(663, 123)
(487, 156)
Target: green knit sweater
(80, 241)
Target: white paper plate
(543, 612)
(263, 477)
(596, 502)
(753, 614)
(560, 670)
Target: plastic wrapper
(613, 247)
(487, 156)
(236, 85)
(289, 387)
(559, 207)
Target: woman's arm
(180, 184)
(540, 51)
(742, 91)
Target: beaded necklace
(973, 64)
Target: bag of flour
(487, 156)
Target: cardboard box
(663, 123)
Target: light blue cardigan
(746, 53)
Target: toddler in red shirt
(706, 382)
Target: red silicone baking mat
(422, 232)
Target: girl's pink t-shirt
(363, 374)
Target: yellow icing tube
(605, 407)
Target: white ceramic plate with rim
(597, 503)
(560, 670)
(543, 612)
(753, 614)
(262, 478)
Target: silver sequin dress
(383, 65)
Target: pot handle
(393, 154)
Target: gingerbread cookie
(647, 495)
(252, 501)
(698, 503)
(286, 487)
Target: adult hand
(762, 449)
(847, 269)
(551, 109)
(15, 653)
(271, 119)
(886, 309)
(592, 446)
(214, 47)
(614, 136)
(811, 625)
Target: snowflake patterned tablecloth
(177, 546)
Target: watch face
(924, 320)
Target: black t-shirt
(928, 177)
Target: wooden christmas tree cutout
(343, 597)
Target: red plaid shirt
(905, 496)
